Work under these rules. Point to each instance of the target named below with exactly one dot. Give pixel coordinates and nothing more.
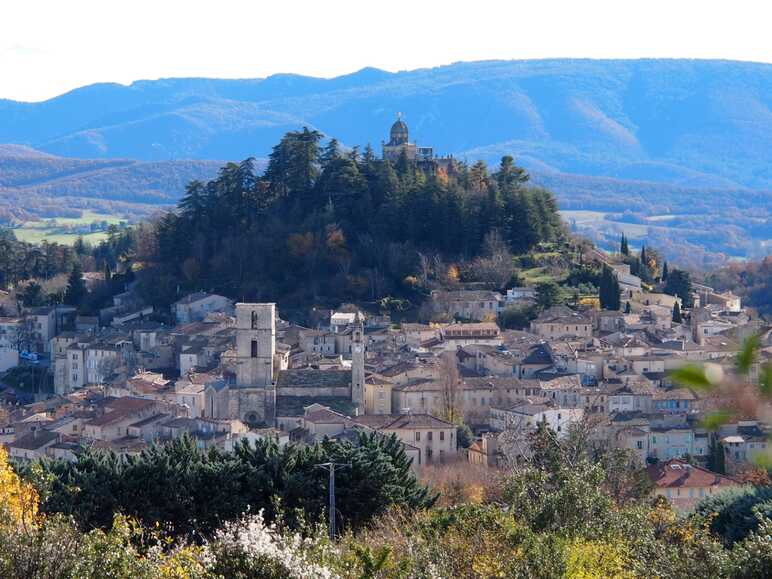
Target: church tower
(253, 399)
(358, 368)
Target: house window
(418, 437)
(442, 435)
(254, 348)
(429, 435)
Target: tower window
(254, 348)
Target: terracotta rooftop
(677, 473)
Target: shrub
(735, 512)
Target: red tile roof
(680, 474)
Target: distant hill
(692, 123)
(35, 184)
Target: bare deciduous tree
(452, 396)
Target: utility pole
(330, 467)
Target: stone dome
(399, 135)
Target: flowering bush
(252, 548)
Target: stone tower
(253, 399)
(358, 368)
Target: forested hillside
(320, 223)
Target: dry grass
(460, 482)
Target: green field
(55, 230)
(597, 220)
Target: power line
(330, 467)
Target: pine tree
(330, 153)
(677, 314)
(624, 247)
(664, 272)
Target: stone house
(684, 485)
(478, 305)
(552, 325)
(197, 306)
(528, 413)
(11, 331)
(435, 439)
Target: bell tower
(358, 368)
(253, 398)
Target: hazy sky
(50, 46)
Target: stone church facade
(261, 394)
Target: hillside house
(197, 306)
(477, 305)
(684, 485)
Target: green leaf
(715, 419)
(747, 355)
(693, 376)
(765, 383)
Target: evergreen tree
(547, 294)
(628, 309)
(196, 491)
(32, 295)
(679, 283)
(677, 319)
(609, 291)
(716, 458)
(624, 247)
(76, 287)
(510, 177)
(331, 152)
(664, 272)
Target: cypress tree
(76, 287)
(624, 247)
(677, 313)
(664, 272)
(609, 290)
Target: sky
(48, 47)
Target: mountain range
(600, 132)
(686, 122)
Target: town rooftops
(311, 378)
(401, 421)
(677, 474)
(538, 355)
(528, 408)
(150, 420)
(294, 406)
(192, 298)
(323, 415)
(35, 440)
